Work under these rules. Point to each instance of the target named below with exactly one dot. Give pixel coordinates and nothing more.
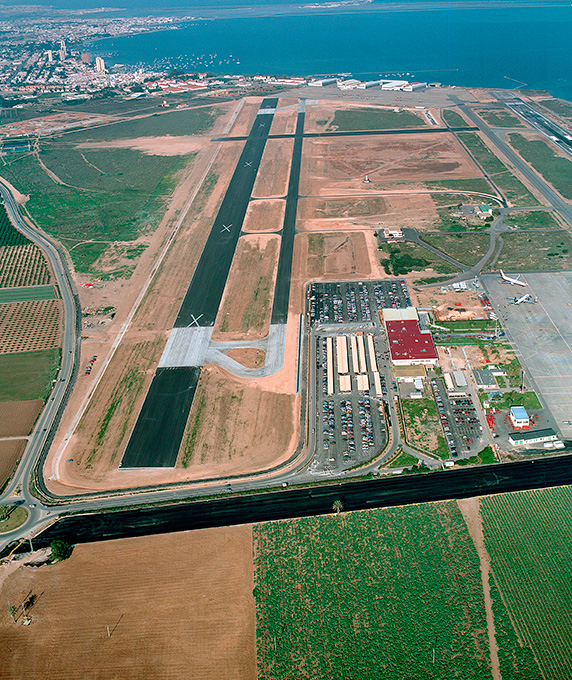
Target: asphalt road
(302, 502)
(355, 133)
(46, 424)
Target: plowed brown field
(17, 417)
(177, 606)
(10, 453)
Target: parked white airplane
(513, 282)
(525, 298)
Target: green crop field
(454, 119)
(112, 194)
(546, 251)
(529, 538)
(375, 119)
(26, 293)
(28, 375)
(512, 188)
(9, 236)
(393, 593)
(554, 168)
(467, 248)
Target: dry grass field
(343, 255)
(18, 417)
(248, 356)
(23, 266)
(263, 215)
(274, 171)
(10, 453)
(339, 165)
(177, 605)
(30, 326)
(246, 305)
(235, 426)
(284, 122)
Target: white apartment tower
(99, 65)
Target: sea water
(490, 47)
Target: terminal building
(408, 344)
(532, 437)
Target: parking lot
(354, 302)
(459, 419)
(350, 425)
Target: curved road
(39, 440)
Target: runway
(284, 271)
(157, 435)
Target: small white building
(519, 417)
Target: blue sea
(487, 47)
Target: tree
(338, 506)
(60, 549)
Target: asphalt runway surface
(309, 501)
(156, 438)
(284, 271)
(159, 429)
(202, 300)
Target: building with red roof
(408, 344)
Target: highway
(303, 502)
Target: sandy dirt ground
(177, 606)
(244, 121)
(406, 209)
(246, 305)
(235, 426)
(18, 417)
(452, 305)
(11, 451)
(284, 122)
(454, 359)
(248, 356)
(326, 255)
(340, 165)
(274, 171)
(157, 146)
(263, 215)
(156, 314)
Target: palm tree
(338, 506)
